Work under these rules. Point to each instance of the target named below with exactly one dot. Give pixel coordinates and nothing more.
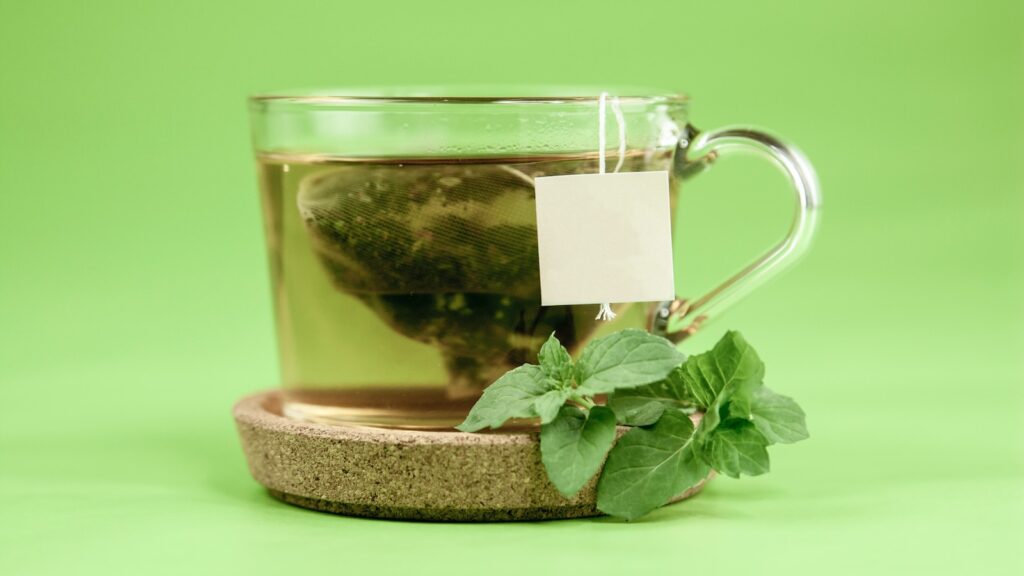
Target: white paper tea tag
(604, 238)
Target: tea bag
(432, 228)
(445, 254)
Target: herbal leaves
(624, 360)
(736, 447)
(651, 388)
(725, 384)
(633, 410)
(555, 360)
(573, 446)
(629, 357)
(731, 370)
(575, 438)
(648, 467)
(514, 395)
(548, 404)
(778, 418)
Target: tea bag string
(606, 313)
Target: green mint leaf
(574, 444)
(643, 405)
(730, 371)
(671, 389)
(556, 361)
(548, 404)
(625, 359)
(736, 447)
(634, 410)
(648, 466)
(739, 403)
(778, 418)
(734, 401)
(512, 396)
(731, 360)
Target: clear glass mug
(401, 230)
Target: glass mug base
(415, 408)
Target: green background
(134, 297)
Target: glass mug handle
(677, 319)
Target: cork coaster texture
(403, 474)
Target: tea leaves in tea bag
(424, 229)
(446, 254)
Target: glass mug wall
(401, 230)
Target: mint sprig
(652, 388)
(626, 358)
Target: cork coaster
(403, 474)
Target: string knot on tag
(605, 313)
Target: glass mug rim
(469, 94)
